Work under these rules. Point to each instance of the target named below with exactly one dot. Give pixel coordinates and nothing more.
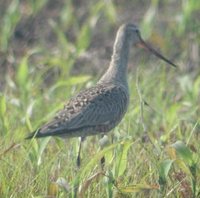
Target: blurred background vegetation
(49, 50)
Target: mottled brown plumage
(93, 111)
(100, 108)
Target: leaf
(110, 183)
(183, 152)
(10, 19)
(71, 81)
(183, 166)
(2, 105)
(196, 87)
(22, 72)
(149, 17)
(121, 160)
(33, 151)
(83, 39)
(171, 152)
(164, 168)
(103, 142)
(138, 188)
(61, 38)
(43, 145)
(53, 189)
(37, 5)
(88, 167)
(3, 116)
(110, 11)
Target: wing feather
(97, 105)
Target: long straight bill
(148, 47)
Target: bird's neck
(117, 71)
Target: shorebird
(97, 110)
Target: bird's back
(92, 111)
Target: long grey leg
(103, 142)
(78, 160)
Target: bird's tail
(35, 134)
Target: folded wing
(97, 106)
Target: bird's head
(131, 33)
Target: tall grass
(154, 152)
